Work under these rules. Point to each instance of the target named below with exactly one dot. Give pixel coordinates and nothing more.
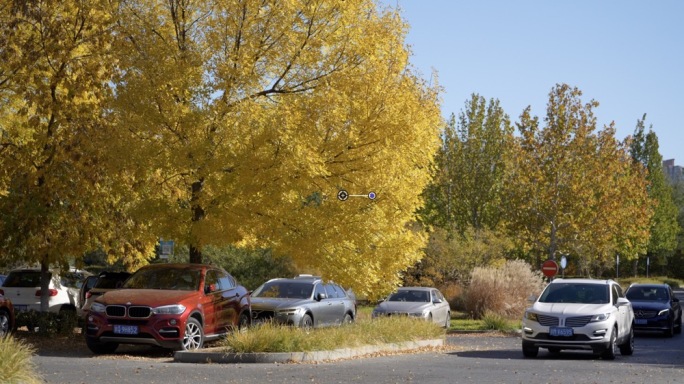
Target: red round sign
(549, 268)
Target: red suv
(177, 306)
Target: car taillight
(88, 294)
(53, 292)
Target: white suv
(22, 286)
(583, 314)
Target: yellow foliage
(241, 120)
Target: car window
(72, 279)
(212, 280)
(576, 293)
(318, 290)
(183, 279)
(339, 292)
(410, 296)
(226, 282)
(330, 291)
(23, 279)
(284, 290)
(615, 294)
(111, 280)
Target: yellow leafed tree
(56, 198)
(240, 120)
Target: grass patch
(16, 364)
(276, 338)
(490, 322)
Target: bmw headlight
(664, 312)
(175, 309)
(97, 307)
(600, 317)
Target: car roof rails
(307, 277)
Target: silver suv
(582, 314)
(305, 301)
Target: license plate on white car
(125, 329)
(561, 331)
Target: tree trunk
(197, 216)
(44, 284)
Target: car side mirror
(675, 300)
(437, 301)
(321, 296)
(210, 288)
(621, 301)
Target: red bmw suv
(176, 306)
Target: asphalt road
(472, 359)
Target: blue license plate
(125, 329)
(561, 331)
(21, 308)
(640, 321)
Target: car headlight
(664, 312)
(175, 309)
(290, 311)
(97, 307)
(600, 317)
(531, 316)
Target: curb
(219, 356)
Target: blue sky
(628, 55)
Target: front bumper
(593, 336)
(166, 331)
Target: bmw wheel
(194, 335)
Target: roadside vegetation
(276, 338)
(674, 283)
(16, 364)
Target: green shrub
(269, 337)
(503, 290)
(16, 362)
(48, 323)
(495, 321)
(672, 282)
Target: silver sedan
(423, 302)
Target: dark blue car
(655, 308)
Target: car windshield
(284, 290)
(181, 279)
(576, 293)
(647, 294)
(111, 280)
(412, 296)
(23, 279)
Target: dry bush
(16, 361)
(502, 290)
(453, 293)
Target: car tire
(193, 338)
(627, 348)
(307, 322)
(554, 350)
(447, 323)
(99, 348)
(670, 331)
(244, 321)
(5, 325)
(678, 326)
(348, 319)
(611, 348)
(529, 350)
